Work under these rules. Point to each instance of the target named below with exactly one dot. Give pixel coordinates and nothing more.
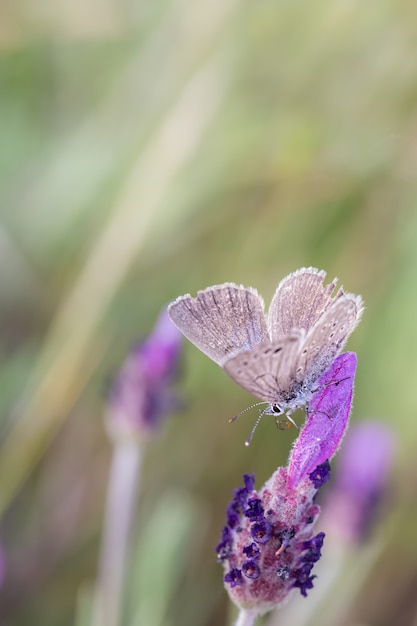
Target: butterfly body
(277, 357)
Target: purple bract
(328, 414)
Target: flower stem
(246, 617)
(120, 508)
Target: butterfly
(277, 357)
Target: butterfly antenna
(261, 414)
(232, 419)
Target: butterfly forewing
(267, 371)
(299, 301)
(222, 320)
(326, 340)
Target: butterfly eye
(276, 409)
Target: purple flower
(250, 569)
(232, 514)
(255, 510)
(320, 475)
(252, 551)
(303, 580)
(261, 531)
(360, 480)
(271, 548)
(141, 394)
(224, 546)
(234, 577)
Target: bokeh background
(150, 149)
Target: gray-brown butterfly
(277, 357)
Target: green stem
(120, 510)
(246, 617)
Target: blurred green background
(150, 149)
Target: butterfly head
(277, 410)
(273, 409)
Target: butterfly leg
(329, 415)
(285, 424)
(332, 382)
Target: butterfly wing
(268, 370)
(299, 301)
(326, 340)
(222, 320)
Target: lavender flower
(268, 546)
(360, 481)
(140, 398)
(141, 395)
(266, 558)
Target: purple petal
(328, 415)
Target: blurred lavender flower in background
(141, 395)
(268, 546)
(360, 481)
(140, 399)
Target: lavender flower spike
(270, 549)
(328, 415)
(140, 398)
(141, 395)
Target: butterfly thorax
(290, 402)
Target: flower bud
(141, 394)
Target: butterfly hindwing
(268, 370)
